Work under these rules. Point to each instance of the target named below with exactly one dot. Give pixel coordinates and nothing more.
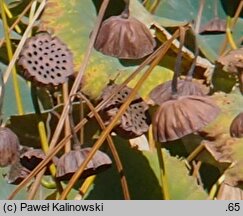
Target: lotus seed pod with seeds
(163, 92)
(135, 121)
(69, 163)
(9, 147)
(46, 60)
(177, 118)
(124, 37)
(236, 127)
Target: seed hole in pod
(34, 68)
(48, 72)
(58, 62)
(141, 112)
(45, 76)
(40, 49)
(34, 45)
(46, 41)
(41, 67)
(47, 64)
(52, 77)
(64, 61)
(29, 62)
(36, 62)
(57, 56)
(40, 42)
(64, 68)
(53, 70)
(39, 72)
(63, 54)
(35, 53)
(47, 48)
(51, 59)
(53, 45)
(46, 53)
(41, 58)
(58, 74)
(29, 54)
(125, 92)
(59, 49)
(58, 68)
(52, 51)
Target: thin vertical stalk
(10, 56)
(113, 150)
(67, 129)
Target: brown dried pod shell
(214, 26)
(17, 173)
(232, 61)
(163, 92)
(124, 37)
(182, 116)
(9, 147)
(46, 60)
(236, 127)
(32, 157)
(135, 121)
(69, 163)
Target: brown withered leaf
(234, 175)
(221, 149)
(179, 117)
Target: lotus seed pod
(236, 127)
(182, 116)
(46, 60)
(69, 163)
(163, 92)
(9, 147)
(124, 37)
(32, 157)
(214, 26)
(135, 121)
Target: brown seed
(180, 117)
(236, 127)
(214, 26)
(124, 37)
(135, 121)
(9, 147)
(46, 60)
(69, 163)
(163, 92)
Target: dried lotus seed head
(46, 60)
